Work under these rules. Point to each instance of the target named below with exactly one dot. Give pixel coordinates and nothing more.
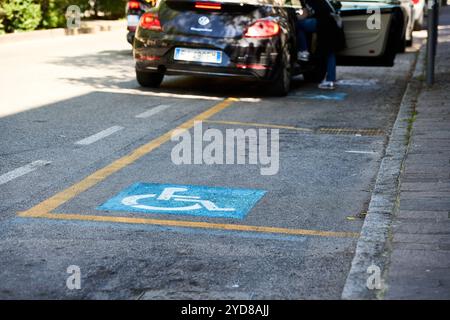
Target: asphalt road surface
(77, 130)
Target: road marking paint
(153, 111)
(191, 224)
(339, 96)
(174, 95)
(253, 124)
(357, 82)
(16, 173)
(361, 152)
(161, 94)
(44, 208)
(184, 230)
(207, 201)
(71, 192)
(98, 136)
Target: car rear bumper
(256, 59)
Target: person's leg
(305, 26)
(329, 81)
(301, 36)
(331, 67)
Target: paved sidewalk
(420, 244)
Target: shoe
(303, 56)
(327, 85)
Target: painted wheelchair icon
(177, 199)
(169, 194)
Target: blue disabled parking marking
(323, 95)
(176, 199)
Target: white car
(419, 13)
(409, 9)
(359, 30)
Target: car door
(374, 32)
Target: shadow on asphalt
(120, 63)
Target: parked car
(409, 9)
(134, 11)
(419, 13)
(406, 7)
(253, 39)
(372, 46)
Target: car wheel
(149, 79)
(281, 84)
(402, 45)
(130, 37)
(418, 24)
(394, 42)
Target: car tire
(402, 46)
(130, 37)
(418, 24)
(149, 79)
(281, 84)
(395, 42)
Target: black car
(134, 10)
(247, 39)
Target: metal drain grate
(351, 131)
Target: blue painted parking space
(184, 200)
(336, 96)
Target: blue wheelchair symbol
(167, 195)
(185, 200)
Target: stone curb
(87, 27)
(373, 244)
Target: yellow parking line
(192, 224)
(60, 198)
(43, 209)
(254, 124)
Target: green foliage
(46, 14)
(52, 14)
(2, 15)
(54, 11)
(113, 9)
(21, 15)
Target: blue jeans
(331, 67)
(304, 27)
(309, 25)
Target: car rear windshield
(287, 3)
(254, 2)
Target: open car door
(374, 32)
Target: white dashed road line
(22, 171)
(98, 136)
(361, 152)
(153, 111)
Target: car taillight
(208, 5)
(150, 21)
(255, 66)
(262, 29)
(134, 5)
(415, 1)
(146, 58)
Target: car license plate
(198, 55)
(133, 20)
